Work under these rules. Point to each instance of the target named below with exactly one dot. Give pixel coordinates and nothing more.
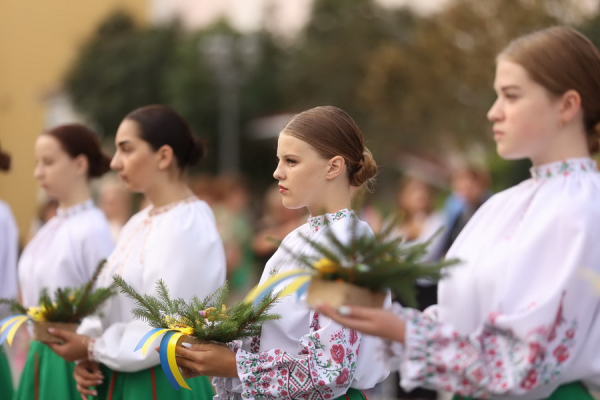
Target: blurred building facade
(38, 41)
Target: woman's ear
(82, 164)
(165, 157)
(335, 167)
(570, 105)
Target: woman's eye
(290, 161)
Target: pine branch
(130, 292)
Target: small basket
(40, 330)
(339, 293)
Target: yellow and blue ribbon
(166, 354)
(299, 284)
(9, 327)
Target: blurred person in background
(470, 189)
(519, 318)
(203, 186)
(115, 201)
(276, 222)
(231, 208)
(66, 250)
(420, 222)
(174, 239)
(9, 247)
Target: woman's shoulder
(90, 223)
(193, 220)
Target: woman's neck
(168, 192)
(571, 142)
(79, 193)
(335, 198)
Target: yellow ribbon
(173, 362)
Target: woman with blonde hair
(322, 161)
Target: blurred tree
(435, 91)
(121, 67)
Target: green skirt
(46, 376)
(6, 385)
(568, 391)
(352, 394)
(150, 384)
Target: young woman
(520, 317)
(322, 162)
(9, 237)
(67, 249)
(175, 239)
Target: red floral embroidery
(337, 352)
(530, 380)
(343, 378)
(353, 337)
(561, 353)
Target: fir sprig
(376, 262)
(69, 305)
(209, 318)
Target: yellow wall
(38, 40)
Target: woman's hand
(87, 374)
(74, 346)
(371, 321)
(206, 359)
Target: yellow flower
(37, 313)
(178, 325)
(326, 266)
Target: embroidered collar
(321, 221)
(76, 209)
(563, 168)
(170, 206)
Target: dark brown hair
(76, 140)
(332, 132)
(561, 59)
(4, 161)
(161, 125)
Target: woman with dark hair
(520, 318)
(9, 238)
(67, 249)
(323, 161)
(174, 239)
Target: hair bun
(364, 170)
(197, 151)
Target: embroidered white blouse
(9, 246)
(177, 243)
(65, 251)
(520, 316)
(304, 355)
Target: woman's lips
(282, 189)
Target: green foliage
(209, 319)
(376, 262)
(120, 68)
(69, 305)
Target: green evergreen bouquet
(361, 270)
(206, 320)
(65, 310)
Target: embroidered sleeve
(323, 368)
(494, 361)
